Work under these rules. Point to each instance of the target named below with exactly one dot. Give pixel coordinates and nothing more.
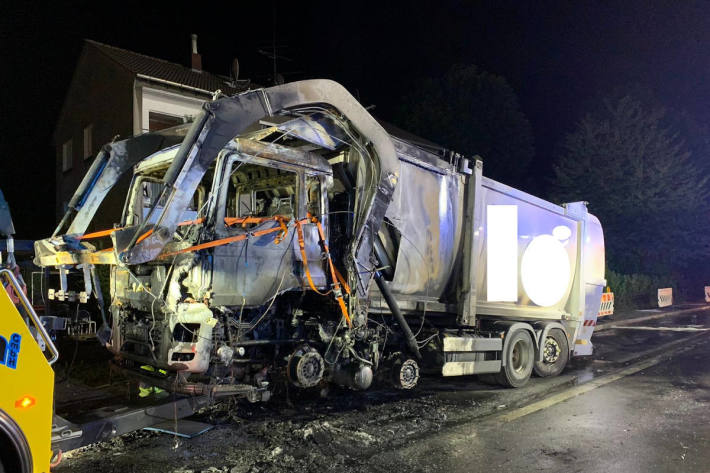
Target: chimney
(196, 58)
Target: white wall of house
(148, 99)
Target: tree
(473, 112)
(638, 177)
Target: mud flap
(583, 342)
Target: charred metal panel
(110, 164)
(408, 152)
(271, 154)
(226, 118)
(250, 272)
(316, 129)
(426, 210)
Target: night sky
(558, 56)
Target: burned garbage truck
(285, 237)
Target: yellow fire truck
(26, 385)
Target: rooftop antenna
(273, 54)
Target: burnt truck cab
(287, 237)
(245, 192)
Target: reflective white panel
(502, 253)
(562, 232)
(545, 270)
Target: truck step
(462, 368)
(471, 355)
(471, 344)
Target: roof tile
(168, 71)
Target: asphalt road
(655, 420)
(639, 404)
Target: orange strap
(225, 241)
(103, 233)
(197, 221)
(342, 280)
(283, 231)
(229, 221)
(334, 274)
(144, 236)
(304, 257)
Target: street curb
(621, 323)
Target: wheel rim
(551, 352)
(408, 374)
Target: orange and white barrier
(665, 297)
(607, 306)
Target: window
(159, 121)
(145, 193)
(258, 191)
(88, 146)
(67, 156)
(162, 109)
(150, 188)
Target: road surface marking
(594, 384)
(667, 329)
(613, 325)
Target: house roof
(160, 70)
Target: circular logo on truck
(545, 270)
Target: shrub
(638, 291)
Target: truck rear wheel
(520, 358)
(555, 354)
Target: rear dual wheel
(555, 354)
(521, 360)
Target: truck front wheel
(555, 354)
(520, 358)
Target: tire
(555, 354)
(520, 357)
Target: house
(116, 92)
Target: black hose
(394, 308)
